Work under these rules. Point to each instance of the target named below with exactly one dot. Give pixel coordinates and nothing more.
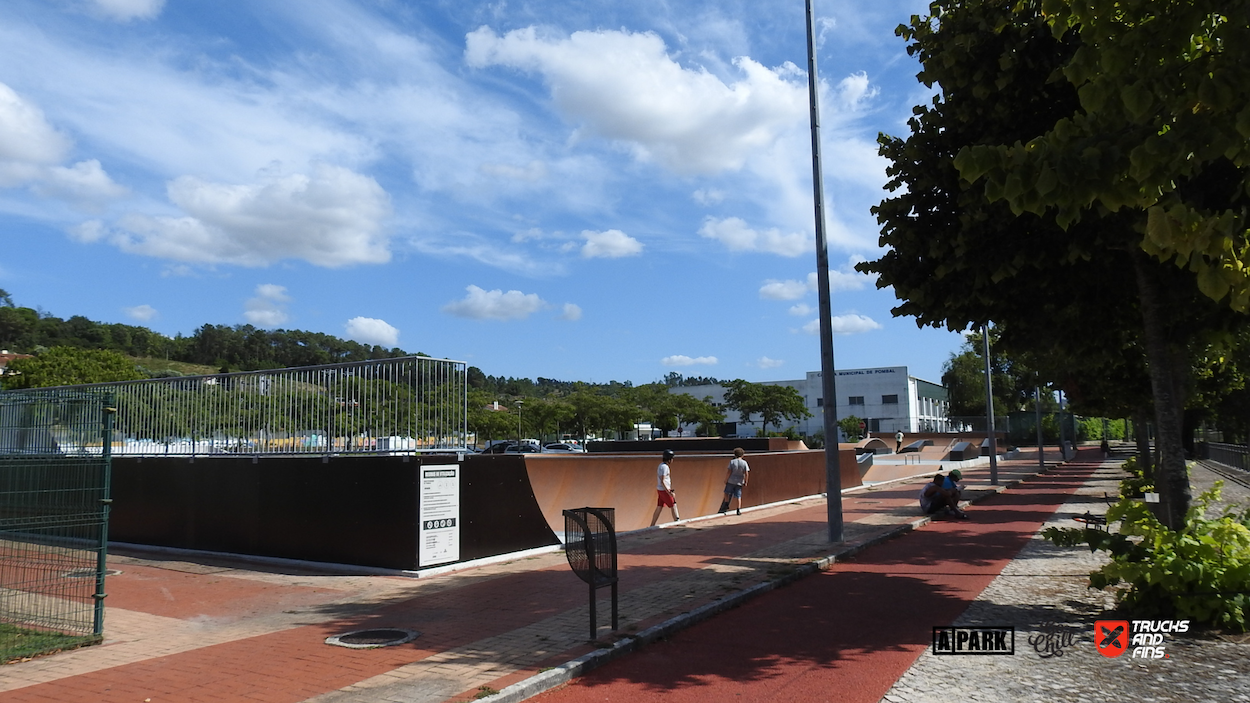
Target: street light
(518, 423)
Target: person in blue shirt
(936, 498)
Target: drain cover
(87, 573)
(377, 637)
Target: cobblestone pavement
(1043, 594)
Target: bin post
(590, 547)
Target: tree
(850, 426)
(960, 256)
(67, 366)
(1161, 141)
(772, 403)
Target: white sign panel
(439, 536)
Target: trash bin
(590, 547)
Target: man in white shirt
(665, 495)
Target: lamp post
(518, 424)
(989, 407)
(828, 386)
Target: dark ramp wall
(346, 510)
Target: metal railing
(54, 512)
(1234, 455)
(387, 406)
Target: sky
(586, 191)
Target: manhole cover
(88, 573)
(377, 637)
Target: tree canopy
(773, 403)
(983, 226)
(70, 366)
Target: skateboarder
(665, 495)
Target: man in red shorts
(665, 495)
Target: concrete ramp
(626, 482)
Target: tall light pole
(989, 407)
(518, 424)
(828, 387)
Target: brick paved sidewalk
(210, 630)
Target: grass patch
(153, 364)
(17, 643)
(484, 691)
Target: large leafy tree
(772, 403)
(1160, 140)
(1078, 297)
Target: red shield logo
(1111, 637)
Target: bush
(1136, 485)
(1200, 573)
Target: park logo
(983, 640)
(1111, 637)
(1146, 638)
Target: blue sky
(575, 190)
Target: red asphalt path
(846, 634)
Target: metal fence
(53, 519)
(1234, 455)
(387, 406)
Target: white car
(562, 448)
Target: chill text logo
(974, 640)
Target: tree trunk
(1171, 478)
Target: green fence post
(106, 502)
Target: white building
(888, 399)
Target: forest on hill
(26, 330)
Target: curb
(557, 676)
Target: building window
(889, 399)
(856, 400)
(820, 402)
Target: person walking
(665, 495)
(898, 440)
(735, 480)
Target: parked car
(562, 448)
(522, 448)
(498, 447)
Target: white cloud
(766, 363)
(530, 173)
(708, 196)
(854, 91)
(87, 232)
(612, 244)
(143, 313)
(84, 182)
(268, 308)
(801, 310)
(846, 278)
(683, 360)
(625, 86)
(27, 142)
(784, 290)
(737, 236)
(126, 10)
(495, 305)
(368, 330)
(331, 218)
(571, 312)
(845, 324)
